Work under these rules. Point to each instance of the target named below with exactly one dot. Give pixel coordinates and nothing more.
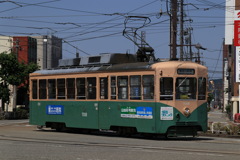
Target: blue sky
(96, 26)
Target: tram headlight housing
(186, 111)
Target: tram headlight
(186, 111)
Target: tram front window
(202, 88)
(186, 88)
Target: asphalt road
(21, 141)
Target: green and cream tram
(159, 98)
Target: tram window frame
(91, 88)
(70, 86)
(113, 87)
(186, 88)
(135, 87)
(61, 88)
(51, 88)
(122, 87)
(103, 88)
(148, 87)
(166, 88)
(34, 89)
(202, 83)
(42, 92)
(81, 88)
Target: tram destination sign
(186, 71)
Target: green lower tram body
(145, 117)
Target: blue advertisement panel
(55, 109)
(144, 112)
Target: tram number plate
(55, 109)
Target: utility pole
(181, 30)
(190, 42)
(173, 32)
(14, 95)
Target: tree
(4, 94)
(13, 73)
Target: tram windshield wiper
(182, 82)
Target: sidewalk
(219, 125)
(216, 115)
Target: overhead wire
(96, 27)
(219, 55)
(27, 4)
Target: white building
(6, 44)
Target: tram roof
(137, 66)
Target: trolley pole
(173, 32)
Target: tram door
(87, 89)
(103, 112)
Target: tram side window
(113, 88)
(91, 88)
(166, 89)
(186, 88)
(81, 90)
(122, 87)
(61, 89)
(51, 89)
(34, 89)
(70, 88)
(202, 88)
(135, 87)
(42, 89)
(103, 88)
(148, 87)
